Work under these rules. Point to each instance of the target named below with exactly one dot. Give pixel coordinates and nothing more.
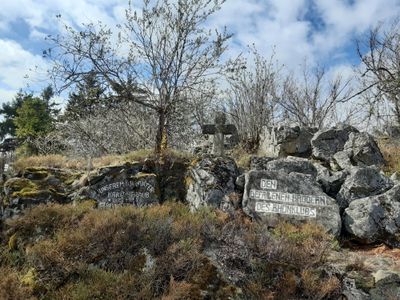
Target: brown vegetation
(391, 152)
(60, 161)
(78, 252)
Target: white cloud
(267, 23)
(6, 95)
(16, 63)
(282, 23)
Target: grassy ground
(162, 252)
(60, 161)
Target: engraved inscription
(271, 200)
(288, 197)
(269, 184)
(280, 208)
(124, 191)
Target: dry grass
(391, 153)
(60, 161)
(48, 161)
(316, 286)
(11, 287)
(77, 252)
(241, 157)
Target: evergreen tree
(33, 119)
(9, 111)
(88, 97)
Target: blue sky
(322, 31)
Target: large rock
(359, 150)
(330, 181)
(127, 184)
(295, 197)
(376, 218)
(36, 186)
(361, 183)
(211, 182)
(292, 164)
(351, 292)
(387, 288)
(282, 141)
(326, 143)
(260, 162)
(393, 131)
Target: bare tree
(161, 53)
(253, 94)
(379, 52)
(312, 99)
(109, 130)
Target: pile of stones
(331, 177)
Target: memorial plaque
(275, 196)
(139, 190)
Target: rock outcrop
(360, 150)
(375, 218)
(361, 183)
(326, 143)
(283, 141)
(36, 186)
(211, 182)
(387, 288)
(292, 164)
(330, 181)
(277, 195)
(344, 146)
(122, 185)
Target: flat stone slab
(126, 185)
(276, 196)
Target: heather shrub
(164, 251)
(11, 287)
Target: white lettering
(279, 208)
(288, 197)
(269, 184)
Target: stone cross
(219, 130)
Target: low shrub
(44, 221)
(164, 251)
(11, 288)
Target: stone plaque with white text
(274, 196)
(125, 186)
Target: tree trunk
(162, 134)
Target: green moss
(18, 184)
(363, 280)
(142, 175)
(26, 193)
(29, 279)
(68, 178)
(36, 173)
(12, 242)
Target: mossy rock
(142, 175)
(32, 194)
(35, 173)
(363, 280)
(18, 184)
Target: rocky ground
(188, 227)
